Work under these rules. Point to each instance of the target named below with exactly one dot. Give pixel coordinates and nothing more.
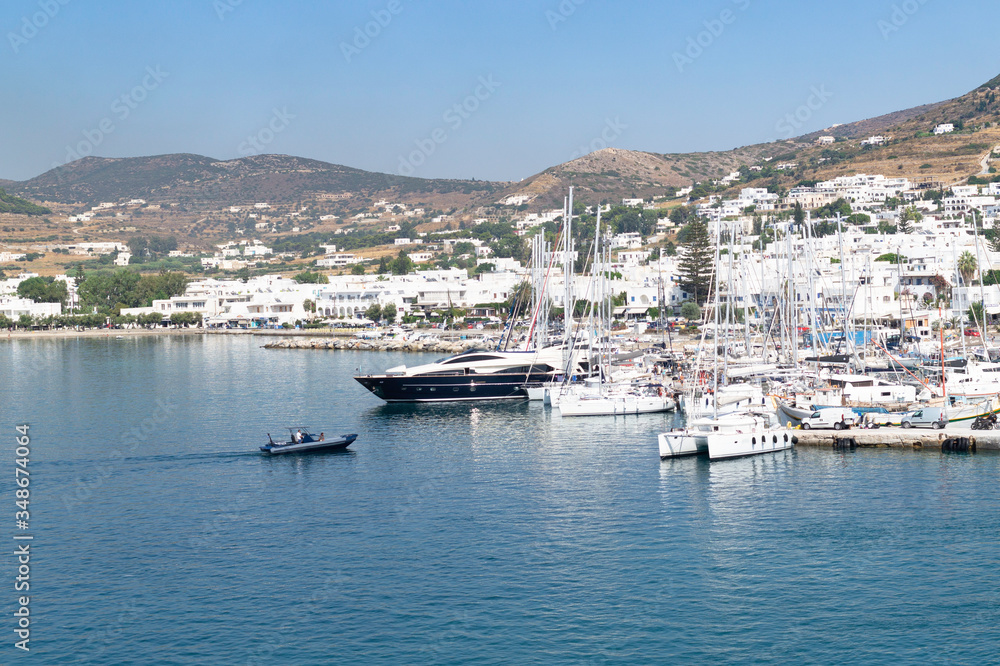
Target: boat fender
(795, 439)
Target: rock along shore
(359, 344)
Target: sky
(446, 89)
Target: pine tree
(906, 219)
(695, 266)
(993, 235)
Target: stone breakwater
(358, 344)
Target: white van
(928, 417)
(837, 418)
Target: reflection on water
(466, 533)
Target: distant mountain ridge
(610, 174)
(203, 180)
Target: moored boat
(474, 375)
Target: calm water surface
(459, 534)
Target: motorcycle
(987, 422)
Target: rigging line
(548, 272)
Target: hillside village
(891, 222)
(861, 261)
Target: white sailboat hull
(682, 443)
(738, 444)
(614, 405)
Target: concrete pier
(914, 438)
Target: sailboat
(603, 396)
(748, 430)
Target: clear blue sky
(560, 75)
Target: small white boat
(302, 441)
(616, 400)
(761, 437)
(694, 439)
(729, 436)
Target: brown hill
(912, 151)
(206, 183)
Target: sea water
(456, 533)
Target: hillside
(18, 206)
(912, 152)
(191, 196)
(614, 174)
(204, 182)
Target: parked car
(972, 332)
(837, 418)
(928, 417)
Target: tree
(402, 264)
(185, 318)
(799, 214)
(383, 265)
(993, 235)
(885, 228)
(106, 291)
(942, 286)
(967, 266)
(306, 277)
(374, 312)
(358, 269)
(389, 312)
(670, 249)
(975, 313)
(909, 215)
(690, 311)
(696, 262)
(43, 290)
(161, 286)
(24, 321)
(841, 206)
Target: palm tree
(967, 266)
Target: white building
(338, 260)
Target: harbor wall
(911, 438)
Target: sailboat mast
(568, 275)
(843, 283)
(715, 338)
